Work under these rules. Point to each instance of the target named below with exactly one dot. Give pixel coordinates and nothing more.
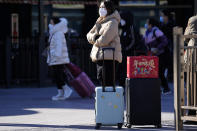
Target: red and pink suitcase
(79, 81)
(74, 70)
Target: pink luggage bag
(82, 83)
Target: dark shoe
(166, 92)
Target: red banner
(142, 67)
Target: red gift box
(142, 67)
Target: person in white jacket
(58, 56)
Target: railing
(2, 63)
(185, 81)
(23, 60)
(20, 61)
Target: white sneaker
(67, 91)
(59, 96)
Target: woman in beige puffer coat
(105, 34)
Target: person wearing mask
(58, 56)
(167, 24)
(105, 34)
(191, 29)
(127, 40)
(156, 42)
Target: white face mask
(102, 12)
(122, 22)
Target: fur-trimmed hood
(61, 26)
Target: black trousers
(170, 67)
(163, 64)
(59, 77)
(108, 65)
(122, 70)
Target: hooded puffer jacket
(107, 30)
(58, 52)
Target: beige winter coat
(190, 30)
(107, 30)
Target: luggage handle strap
(103, 71)
(68, 73)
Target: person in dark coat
(167, 24)
(127, 40)
(127, 37)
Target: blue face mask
(146, 26)
(161, 19)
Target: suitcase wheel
(158, 126)
(120, 125)
(98, 126)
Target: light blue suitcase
(109, 105)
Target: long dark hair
(168, 14)
(56, 20)
(109, 5)
(153, 22)
(128, 17)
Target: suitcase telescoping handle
(103, 71)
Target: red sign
(142, 67)
(15, 27)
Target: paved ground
(31, 109)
